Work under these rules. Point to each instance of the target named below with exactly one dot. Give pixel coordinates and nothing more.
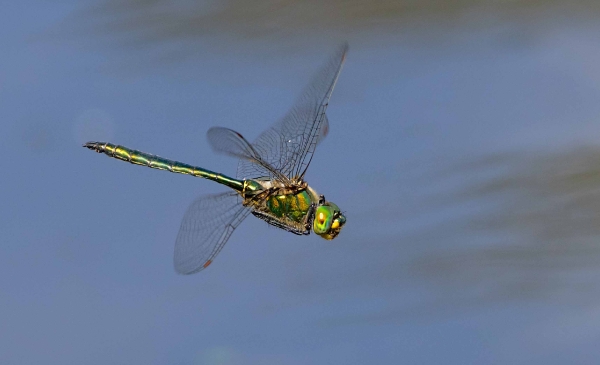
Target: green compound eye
(323, 219)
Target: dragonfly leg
(310, 217)
(275, 222)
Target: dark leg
(274, 222)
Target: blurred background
(463, 148)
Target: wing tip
(344, 48)
(186, 271)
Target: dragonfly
(270, 177)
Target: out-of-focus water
(462, 148)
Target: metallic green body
(156, 162)
(292, 206)
(286, 207)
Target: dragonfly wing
(324, 129)
(290, 144)
(206, 227)
(232, 143)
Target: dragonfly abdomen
(156, 162)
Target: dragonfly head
(329, 220)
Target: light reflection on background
(537, 234)
(463, 148)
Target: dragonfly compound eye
(323, 219)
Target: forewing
(290, 144)
(206, 227)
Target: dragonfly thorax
(296, 208)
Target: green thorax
(291, 206)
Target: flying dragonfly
(270, 177)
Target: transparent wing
(206, 227)
(290, 144)
(232, 143)
(285, 150)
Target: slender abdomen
(156, 162)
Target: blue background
(462, 147)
